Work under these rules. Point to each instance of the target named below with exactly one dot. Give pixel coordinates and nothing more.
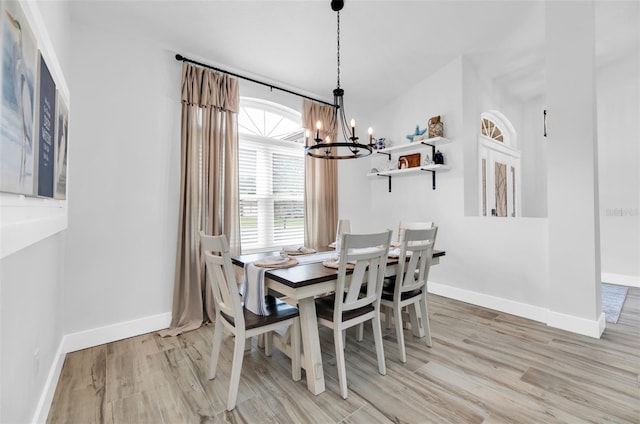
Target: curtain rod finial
(179, 57)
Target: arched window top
(495, 126)
(267, 119)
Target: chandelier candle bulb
(370, 131)
(318, 127)
(353, 128)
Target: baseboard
(90, 338)
(44, 403)
(512, 307)
(111, 333)
(620, 279)
(553, 319)
(586, 327)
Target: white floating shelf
(408, 170)
(435, 141)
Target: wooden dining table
(302, 283)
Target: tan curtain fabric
(321, 180)
(209, 196)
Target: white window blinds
(271, 175)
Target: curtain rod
(181, 58)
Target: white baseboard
(44, 403)
(620, 279)
(512, 307)
(111, 333)
(90, 338)
(553, 319)
(586, 327)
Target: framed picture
(61, 144)
(46, 125)
(17, 100)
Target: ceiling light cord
(338, 54)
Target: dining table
(302, 283)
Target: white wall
(32, 281)
(32, 275)
(618, 92)
(124, 189)
(574, 236)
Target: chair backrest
(414, 272)
(221, 277)
(408, 225)
(344, 227)
(368, 253)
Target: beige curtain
(209, 198)
(321, 180)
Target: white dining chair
(348, 307)
(343, 227)
(402, 226)
(242, 323)
(410, 289)
(412, 225)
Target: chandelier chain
(338, 54)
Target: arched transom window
(491, 130)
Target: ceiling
(386, 46)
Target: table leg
(311, 345)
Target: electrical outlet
(36, 362)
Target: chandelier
(350, 148)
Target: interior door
(499, 181)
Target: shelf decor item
(436, 127)
(417, 135)
(381, 143)
(409, 161)
(438, 158)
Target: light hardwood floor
(484, 367)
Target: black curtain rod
(181, 58)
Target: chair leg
(400, 333)
(360, 332)
(340, 362)
(236, 367)
(215, 348)
(377, 337)
(387, 317)
(414, 316)
(425, 321)
(296, 363)
(268, 342)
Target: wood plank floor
(484, 367)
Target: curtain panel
(321, 180)
(209, 188)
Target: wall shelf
(433, 168)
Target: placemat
(303, 251)
(333, 263)
(263, 263)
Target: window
(271, 175)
